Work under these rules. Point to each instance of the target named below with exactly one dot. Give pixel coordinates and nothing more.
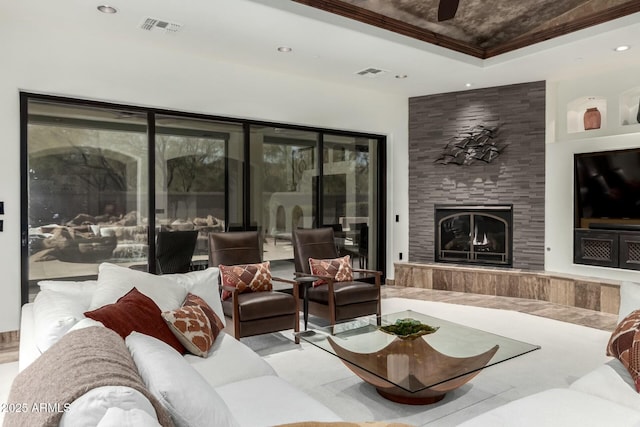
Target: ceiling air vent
(371, 72)
(153, 24)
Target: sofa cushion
(610, 381)
(229, 360)
(136, 312)
(90, 408)
(117, 417)
(185, 394)
(246, 278)
(558, 407)
(338, 268)
(55, 313)
(192, 328)
(267, 393)
(115, 281)
(86, 287)
(624, 345)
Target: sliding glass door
(349, 195)
(283, 176)
(198, 177)
(91, 196)
(87, 186)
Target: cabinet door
(593, 247)
(630, 251)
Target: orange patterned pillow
(338, 268)
(192, 328)
(624, 345)
(214, 320)
(246, 278)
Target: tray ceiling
(481, 28)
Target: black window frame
(151, 113)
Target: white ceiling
(327, 46)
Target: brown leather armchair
(335, 301)
(253, 313)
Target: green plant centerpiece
(408, 329)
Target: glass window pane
(198, 177)
(349, 196)
(87, 189)
(283, 175)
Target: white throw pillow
(185, 394)
(116, 417)
(85, 323)
(629, 299)
(115, 281)
(203, 283)
(91, 407)
(54, 313)
(86, 286)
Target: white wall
(561, 146)
(74, 65)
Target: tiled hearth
(574, 291)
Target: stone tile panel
(516, 177)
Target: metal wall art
(478, 143)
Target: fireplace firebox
(474, 234)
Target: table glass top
(452, 352)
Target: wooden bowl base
(410, 400)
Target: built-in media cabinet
(608, 245)
(607, 209)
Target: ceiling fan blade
(447, 9)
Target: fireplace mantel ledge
(566, 289)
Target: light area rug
(568, 352)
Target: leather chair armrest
(231, 289)
(369, 273)
(304, 277)
(372, 272)
(295, 285)
(283, 280)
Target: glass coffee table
(414, 371)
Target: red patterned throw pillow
(338, 268)
(246, 278)
(192, 328)
(624, 345)
(136, 312)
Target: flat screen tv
(608, 187)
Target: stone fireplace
(474, 234)
(515, 178)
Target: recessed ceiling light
(107, 9)
(467, 85)
(622, 48)
(284, 49)
(401, 76)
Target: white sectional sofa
(232, 379)
(606, 396)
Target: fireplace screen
(474, 234)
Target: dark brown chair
(253, 313)
(334, 301)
